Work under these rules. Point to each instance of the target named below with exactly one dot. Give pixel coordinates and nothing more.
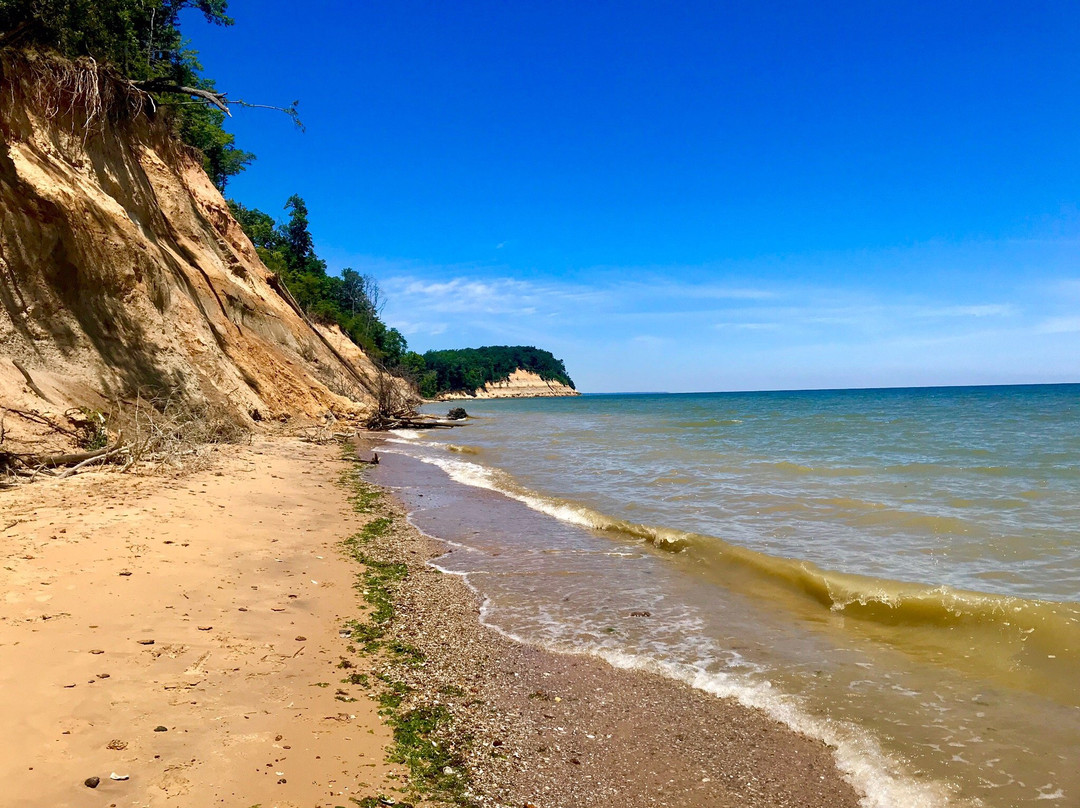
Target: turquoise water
(896, 571)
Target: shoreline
(236, 574)
(553, 730)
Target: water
(895, 571)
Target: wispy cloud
(750, 326)
(1059, 325)
(978, 310)
(740, 331)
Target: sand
(237, 575)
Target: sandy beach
(208, 605)
(212, 604)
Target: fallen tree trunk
(101, 458)
(52, 461)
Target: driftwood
(52, 461)
(29, 465)
(30, 380)
(380, 422)
(97, 458)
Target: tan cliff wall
(521, 384)
(123, 273)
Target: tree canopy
(142, 40)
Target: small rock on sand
(91, 782)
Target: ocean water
(896, 572)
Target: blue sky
(694, 196)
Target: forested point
(469, 369)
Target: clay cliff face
(521, 384)
(122, 272)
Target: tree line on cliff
(354, 303)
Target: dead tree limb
(101, 458)
(41, 419)
(279, 287)
(164, 86)
(52, 461)
(30, 380)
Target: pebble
(300, 638)
(91, 782)
(160, 728)
(96, 651)
(205, 628)
(145, 642)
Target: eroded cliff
(521, 384)
(122, 272)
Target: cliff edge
(521, 384)
(123, 274)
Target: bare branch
(163, 86)
(290, 110)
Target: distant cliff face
(521, 384)
(122, 272)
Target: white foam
(879, 776)
(466, 473)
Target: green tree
(142, 40)
(297, 238)
(260, 227)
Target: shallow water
(895, 571)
